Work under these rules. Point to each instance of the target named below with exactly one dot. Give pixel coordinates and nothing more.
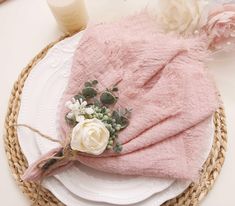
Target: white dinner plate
(70, 199)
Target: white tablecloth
(26, 26)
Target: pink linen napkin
(164, 80)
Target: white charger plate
(38, 109)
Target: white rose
(90, 136)
(180, 16)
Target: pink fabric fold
(36, 173)
(164, 80)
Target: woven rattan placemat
(17, 162)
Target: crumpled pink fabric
(164, 80)
(33, 173)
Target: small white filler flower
(78, 109)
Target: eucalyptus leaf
(108, 98)
(124, 122)
(120, 119)
(94, 82)
(88, 84)
(116, 116)
(79, 96)
(89, 92)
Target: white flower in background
(180, 16)
(90, 136)
(78, 109)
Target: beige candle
(71, 15)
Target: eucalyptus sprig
(114, 121)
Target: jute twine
(18, 163)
